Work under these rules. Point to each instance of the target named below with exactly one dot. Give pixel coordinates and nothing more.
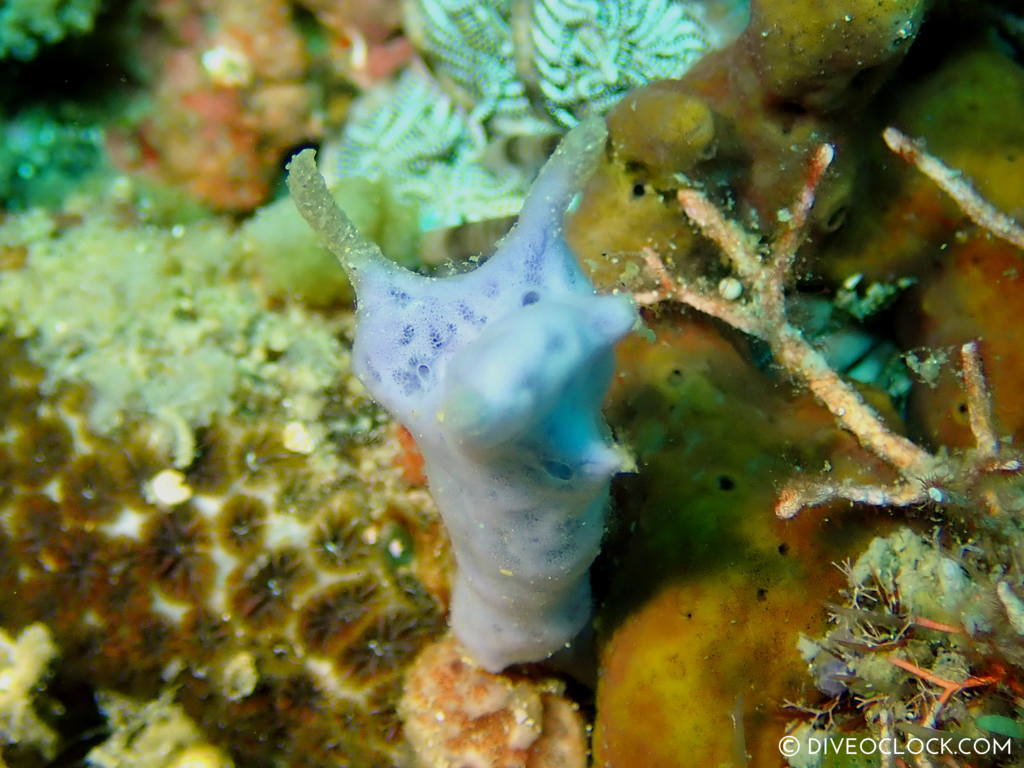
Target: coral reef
(45, 157)
(461, 147)
(924, 476)
(412, 140)
(742, 122)
(699, 583)
(153, 734)
(570, 58)
(365, 43)
(292, 263)
(24, 664)
(243, 562)
(216, 550)
(196, 344)
(26, 25)
(456, 714)
(584, 58)
(229, 99)
(811, 52)
(924, 637)
(720, 147)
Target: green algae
(161, 322)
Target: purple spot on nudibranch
(532, 260)
(439, 338)
(401, 297)
(467, 314)
(558, 470)
(572, 272)
(408, 333)
(408, 381)
(554, 344)
(531, 264)
(530, 297)
(419, 367)
(490, 289)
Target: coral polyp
(238, 577)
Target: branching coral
(923, 476)
(980, 211)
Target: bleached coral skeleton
(922, 476)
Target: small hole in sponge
(558, 470)
(530, 297)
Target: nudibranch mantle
(499, 374)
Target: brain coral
(273, 588)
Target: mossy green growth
(163, 324)
(27, 25)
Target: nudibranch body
(499, 373)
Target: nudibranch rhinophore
(499, 373)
